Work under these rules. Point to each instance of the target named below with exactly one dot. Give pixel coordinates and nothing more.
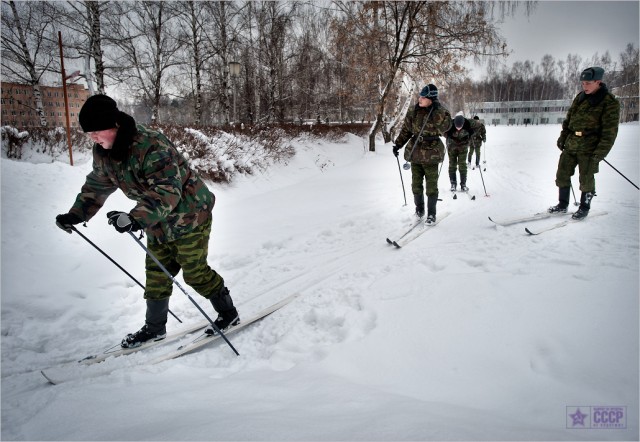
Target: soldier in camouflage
(479, 137)
(422, 128)
(458, 138)
(173, 206)
(588, 134)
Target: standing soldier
(587, 136)
(173, 206)
(479, 137)
(423, 126)
(458, 139)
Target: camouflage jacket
(480, 135)
(591, 125)
(460, 139)
(429, 149)
(171, 200)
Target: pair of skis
(57, 375)
(541, 216)
(414, 231)
(455, 194)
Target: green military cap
(592, 73)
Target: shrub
(217, 154)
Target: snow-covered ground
(471, 332)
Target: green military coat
(429, 148)
(591, 125)
(171, 200)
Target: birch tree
(147, 46)
(83, 23)
(29, 47)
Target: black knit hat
(429, 91)
(99, 112)
(458, 121)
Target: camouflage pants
(189, 254)
(457, 160)
(473, 149)
(422, 172)
(587, 168)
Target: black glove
(560, 143)
(66, 220)
(396, 148)
(122, 222)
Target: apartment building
(18, 105)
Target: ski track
(468, 283)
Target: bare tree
(84, 25)
(28, 47)
(145, 37)
(193, 19)
(428, 39)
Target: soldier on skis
(479, 137)
(173, 206)
(588, 134)
(458, 139)
(423, 126)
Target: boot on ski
(432, 200)
(563, 201)
(463, 183)
(154, 328)
(227, 313)
(585, 206)
(419, 202)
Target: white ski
(117, 350)
(404, 233)
(561, 224)
(535, 217)
(419, 231)
(204, 339)
(77, 370)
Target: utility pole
(66, 99)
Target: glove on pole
(163, 268)
(116, 264)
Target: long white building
(519, 112)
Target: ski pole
(402, 181)
(575, 201)
(485, 155)
(116, 264)
(621, 174)
(485, 188)
(163, 268)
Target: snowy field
(471, 332)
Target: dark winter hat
(99, 112)
(458, 121)
(592, 74)
(429, 91)
(476, 117)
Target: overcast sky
(560, 28)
